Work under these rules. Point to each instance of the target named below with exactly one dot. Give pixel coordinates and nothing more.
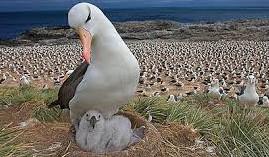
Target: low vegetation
(222, 124)
(8, 144)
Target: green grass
(43, 114)
(244, 132)
(17, 96)
(184, 112)
(156, 107)
(8, 145)
(196, 117)
(234, 131)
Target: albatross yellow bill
(85, 39)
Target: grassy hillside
(223, 127)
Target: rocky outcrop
(257, 30)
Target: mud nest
(160, 140)
(150, 145)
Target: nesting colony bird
(214, 89)
(266, 91)
(250, 96)
(69, 72)
(4, 78)
(172, 64)
(174, 98)
(171, 98)
(265, 102)
(24, 81)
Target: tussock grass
(166, 112)
(155, 107)
(43, 114)
(242, 132)
(8, 145)
(196, 117)
(17, 96)
(233, 130)
(200, 99)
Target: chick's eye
(99, 116)
(87, 115)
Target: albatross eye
(88, 18)
(99, 116)
(87, 115)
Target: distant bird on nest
(69, 72)
(155, 94)
(241, 88)
(171, 98)
(265, 102)
(174, 98)
(250, 96)
(215, 89)
(24, 81)
(45, 86)
(4, 78)
(193, 92)
(266, 91)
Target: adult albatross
(112, 76)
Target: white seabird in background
(24, 81)
(266, 90)
(250, 96)
(171, 99)
(69, 72)
(265, 102)
(214, 89)
(4, 78)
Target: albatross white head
(251, 80)
(78, 16)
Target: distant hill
(257, 30)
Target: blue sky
(20, 5)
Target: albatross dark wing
(68, 89)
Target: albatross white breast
(112, 76)
(250, 96)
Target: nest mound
(56, 139)
(159, 140)
(150, 145)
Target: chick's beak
(93, 121)
(85, 39)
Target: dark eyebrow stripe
(89, 18)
